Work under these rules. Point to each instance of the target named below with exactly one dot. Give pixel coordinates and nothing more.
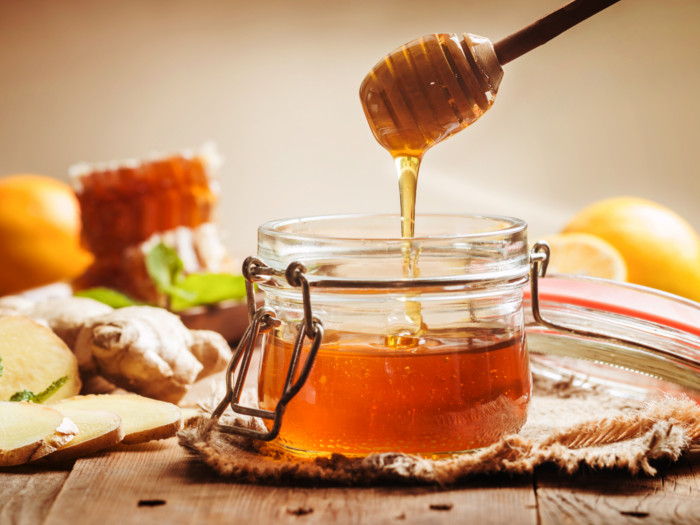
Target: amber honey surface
(438, 397)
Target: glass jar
(423, 348)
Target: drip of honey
(420, 94)
(361, 397)
(408, 335)
(407, 169)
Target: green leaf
(164, 266)
(109, 297)
(185, 291)
(28, 395)
(51, 390)
(2, 367)
(23, 395)
(208, 288)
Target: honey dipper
(437, 85)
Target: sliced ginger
(33, 358)
(143, 419)
(97, 430)
(29, 431)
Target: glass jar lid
(665, 327)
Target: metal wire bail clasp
(539, 260)
(263, 320)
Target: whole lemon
(39, 233)
(661, 250)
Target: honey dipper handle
(542, 31)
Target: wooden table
(160, 483)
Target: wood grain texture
(158, 483)
(592, 498)
(27, 493)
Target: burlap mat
(567, 426)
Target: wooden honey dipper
(437, 85)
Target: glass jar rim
(355, 249)
(289, 227)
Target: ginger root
(81, 425)
(143, 349)
(15, 305)
(65, 316)
(211, 349)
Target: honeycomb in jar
(129, 206)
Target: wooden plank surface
(27, 493)
(602, 497)
(158, 483)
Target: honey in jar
(440, 396)
(461, 382)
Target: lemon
(661, 250)
(39, 233)
(585, 254)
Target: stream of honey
(413, 99)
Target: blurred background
(609, 108)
